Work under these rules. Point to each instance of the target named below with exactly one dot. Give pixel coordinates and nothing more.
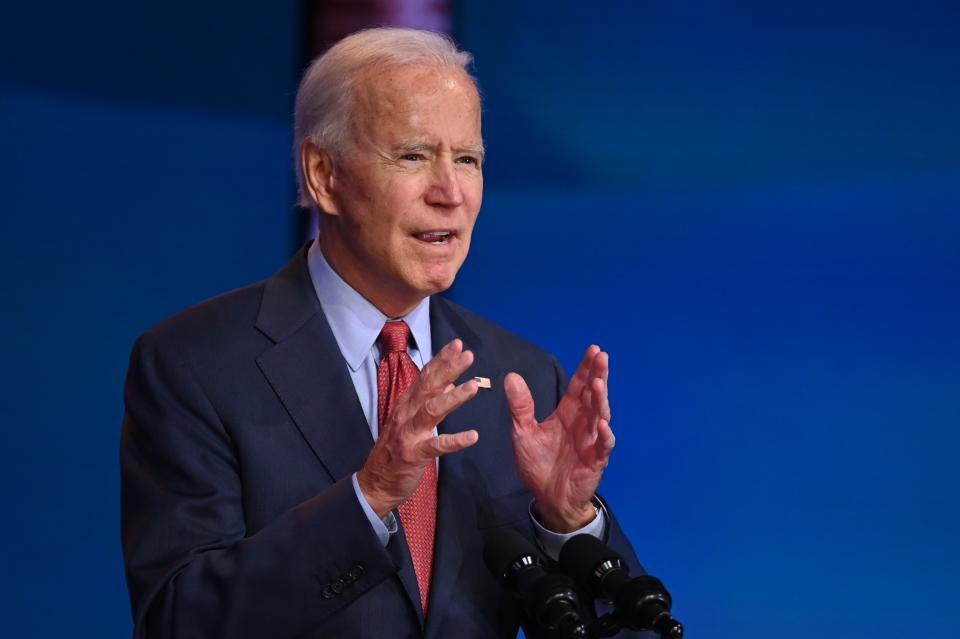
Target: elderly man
(321, 454)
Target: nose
(444, 189)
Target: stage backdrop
(755, 208)
(144, 167)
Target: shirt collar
(355, 322)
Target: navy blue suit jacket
(242, 431)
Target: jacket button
(327, 592)
(357, 571)
(338, 586)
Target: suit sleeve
(192, 570)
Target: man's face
(408, 189)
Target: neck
(391, 306)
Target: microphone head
(549, 599)
(507, 553)
(583, 555)
(640, 603)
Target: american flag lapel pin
(483, 382)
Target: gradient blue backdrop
(755, 208)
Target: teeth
(435, 237)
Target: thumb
(520, 401)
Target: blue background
(755, 208)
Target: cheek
(382, 223)
(474, 195)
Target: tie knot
(394, 337)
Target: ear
(317, 166)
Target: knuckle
(408, 455)
(396, 424)
(432, 409)
(433, 380)
(401, 410)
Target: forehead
(416, 96)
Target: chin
(437, 283)
(433, 277)
(437, 287)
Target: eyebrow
(474, 148)
(407, 147)
(416, 147)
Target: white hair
(325, 97)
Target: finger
(439, 445)
(605, 439)
(607, 415)
(583, 425)
(436, 377)
(519, 400)
(600, 365)
(450, 363)
(575, 405)
(584, 422)
(600, 400)
(582, 374)
(436, 409)
(597, 385)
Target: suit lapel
(456, 514)
(307, 371)
(318, 393)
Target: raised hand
(561, 459)
(406, 442)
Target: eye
(469, 159)
(411, 157)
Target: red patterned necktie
(419, 513)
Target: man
(314, 456)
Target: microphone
(640, 603)
(550, 599)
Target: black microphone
(550, 599)
(640, 603)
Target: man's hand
(406, 443)
(562, 458)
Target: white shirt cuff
(382, 527)
(551, 542)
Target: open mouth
(435, 237)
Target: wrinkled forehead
(388, 78)
(381, 91)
